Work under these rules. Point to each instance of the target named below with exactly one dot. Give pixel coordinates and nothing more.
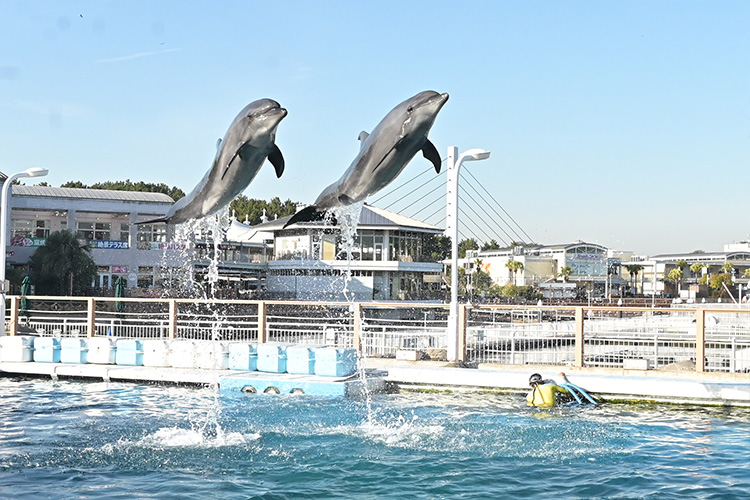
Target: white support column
(451, 231)
(453, 163)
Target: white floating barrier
(272, 357)
(129, 352)
(212, 355)
(335, 362)
(182, 354)
(73, 350)
(101, 351)
(47, 350)
(243, 356)
(17, 348)
(155, 352)
(300, 359)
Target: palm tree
(514, 266)
(634, 269)
(676, 276)
(565, 271)
(696, 268)
(62, 266)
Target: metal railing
(611, 337)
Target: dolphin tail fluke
(152, 221)
(307, 214)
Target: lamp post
(454, 162)
(4, 219)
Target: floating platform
(226, 380)
(286, 383)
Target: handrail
(269, 324)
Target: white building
(303, 261)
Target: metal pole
(4, 199)
(451, 231)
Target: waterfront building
(388, 259)
(593, 267)
(654, 277)
(302, 261)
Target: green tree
(514, 266)
(565, 272)
(62, 266)
(463, 246)
(127, 185)
(727, 268)
(634, 269)
(437, 248)
(696, 268)
(253, 208)
(746, 274)
(716, 283)
(491, 245)
(675, 277)
(681, 264)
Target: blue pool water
(66, 439)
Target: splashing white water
(174, 437)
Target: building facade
(304, 261)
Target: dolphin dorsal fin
(362, 138)
(218, 144)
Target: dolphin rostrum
(383, 154)
(246, 145)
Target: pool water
(61, 440)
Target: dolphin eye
(410, 109)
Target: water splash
(175, 437)
(348, 218)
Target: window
(94, 231)
(152, 232)
(30, 228)
(124, 232)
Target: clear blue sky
(621, 123)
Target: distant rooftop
(90, 194)
(370, 216)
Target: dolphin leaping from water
(246, 145)
(383, 155)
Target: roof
(369, 217)
(239, 232)
(90, 194)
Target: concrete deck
(229, 380)
(611, 384)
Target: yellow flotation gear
(546, 395)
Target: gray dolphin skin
(248, 142)
(383, 155)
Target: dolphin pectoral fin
(277, 160)
(152, 221)
(307, 214)
(430, 152)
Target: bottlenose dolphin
(383, 154)
(246, 145)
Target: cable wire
(501, 207)
(491, 218)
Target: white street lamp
(454, 162)
(4, 220)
